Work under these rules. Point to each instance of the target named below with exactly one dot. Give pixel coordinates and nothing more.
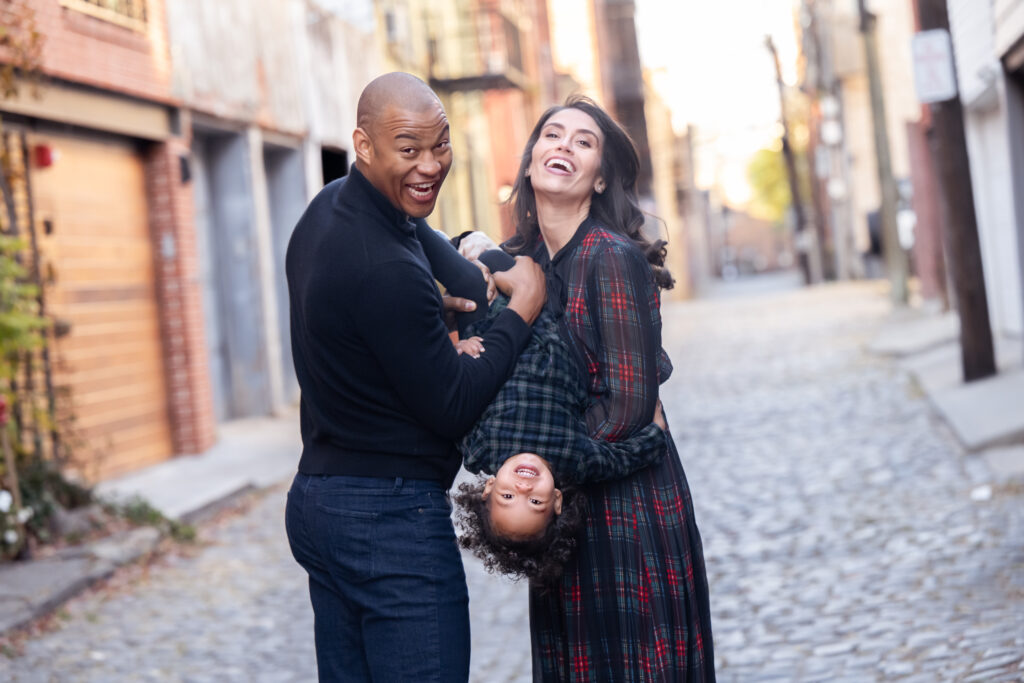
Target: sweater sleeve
(400, 313)
(600, 460)
(457, 275)
(622, 300)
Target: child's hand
(474, 244)
(659, 417)
(473, 346)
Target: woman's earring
(527, 174)
(599, 186)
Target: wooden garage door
(100, 256)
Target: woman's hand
(659, 417)
(473, 346)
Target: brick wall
(929, 261)
(86, 49)
(181, 316)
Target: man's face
(406, 155)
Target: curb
(29, 590)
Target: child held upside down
(533, 439)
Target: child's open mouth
(527, 471)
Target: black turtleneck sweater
(384, 393)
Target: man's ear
(488, 487)
(558, 502)
(363, 146)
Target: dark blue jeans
(386, 580)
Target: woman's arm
(600, 460)
(622, 300)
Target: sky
(714, 72)
(718, 76)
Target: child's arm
(600, 460)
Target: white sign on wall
(934, 72)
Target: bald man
(385, 396)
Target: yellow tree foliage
(769, 186)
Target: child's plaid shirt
(540, 409)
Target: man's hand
(474, 244)
(453, 305)
(492, 289)
(524, 283)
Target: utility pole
(895, 258)
(960, 226)
(826, 251)
(801, 237)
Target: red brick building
(111, 204)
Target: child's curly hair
(539, 560)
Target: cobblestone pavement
(846, 535)
(841, 536)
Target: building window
(128, 13)
(512, 44)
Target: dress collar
(376, 200)
(570, 246)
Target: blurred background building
(988, 39)
(172, 145)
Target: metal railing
(481, 52)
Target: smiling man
(385, 395)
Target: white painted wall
(338, 56)
(988, 130)
(1009, 23)
(894, 31)
(236, 60)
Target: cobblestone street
(847, 536)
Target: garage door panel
(100, 255)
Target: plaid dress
(633, 602)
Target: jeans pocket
(434, 521)
(437, 501)
(347, 536)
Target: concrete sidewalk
(249, 454)
(987, 416)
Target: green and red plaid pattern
(633, 602)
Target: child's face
(521, 497)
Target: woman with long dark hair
(632, 603)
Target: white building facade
(269, 91)
(988, 43)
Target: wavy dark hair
(617, 208)
(541, 559)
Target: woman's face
(521, 497)
(566, 159)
